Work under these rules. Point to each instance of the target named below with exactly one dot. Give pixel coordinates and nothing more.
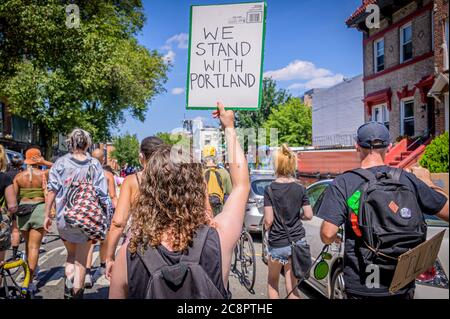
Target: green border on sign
(262, 60)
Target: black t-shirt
(5, 181)
(334, 209)
(290, 198)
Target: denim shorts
(282, 254)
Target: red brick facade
(407, 82)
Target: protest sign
(226, 48)
(416, 261)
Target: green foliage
(436, 155)
(87, 77)
(175, 138)
(126, 150)
(293, 120)
(271, 99)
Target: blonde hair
(3, 160)
(285, 161)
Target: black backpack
(390, 221)
(184, 280)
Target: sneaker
(99, 272)
(88, 281)
(32, 289)
(68, 288)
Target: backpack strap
(396, 172)
(152, 260)
(218, 177)
(364, 173)
(195, 252)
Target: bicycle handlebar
(24, 265)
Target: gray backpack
(184, 280)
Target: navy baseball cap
(373, 135)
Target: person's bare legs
(15, 236)
(81, 258)
(290, 280)
(70, 262)
(103, 248)
(33, 244)
(272, 278)
(89, 258)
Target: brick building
(439, 91)
(17, 133)
(399, 66)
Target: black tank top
(211, 262)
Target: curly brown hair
(171, 203)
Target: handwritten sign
(416, 261)
(226, 56)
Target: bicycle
(14, 291)
(244, 253)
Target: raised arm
(119, 221)
(230, 221)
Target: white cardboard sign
(226, 47)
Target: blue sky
(307, 45)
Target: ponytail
(285, 161)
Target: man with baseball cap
(372, 143)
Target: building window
(406, 49)
(380, 114)
(22, 130)
(379, 55)
(407, 118)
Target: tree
(271, 99)
(436, 155)
(61, 77)
(293, 120)
(175, 138)
(126, 150)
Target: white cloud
(318, 83)
(169, 57)
(298, 70)
(181, 40)
(177, 91)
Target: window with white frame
(406, 48)
(407, 118)
(380, 114)
(378, 54)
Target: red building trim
(399, 66)
(378, 97)
(424, 86)
(406, 93)
(399, 23)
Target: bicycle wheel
(235, 258)
(248, 261)
(11, 292)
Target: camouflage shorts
(5, 232)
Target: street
(50, 281)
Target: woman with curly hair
(172, 214)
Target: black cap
(373, 135)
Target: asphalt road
(51, 271)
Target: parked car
(254, 211)
(433, 284)
(10, 154)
